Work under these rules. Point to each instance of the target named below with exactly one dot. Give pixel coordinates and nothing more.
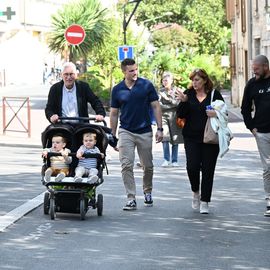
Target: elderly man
(257, 96)
(70, 97)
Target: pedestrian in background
(172, 134)
(257, 98)
(131, 99)
(201, 157)
(70, 97)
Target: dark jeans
(201, 158)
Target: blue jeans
(166, 151)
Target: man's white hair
(69, 64)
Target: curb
(17, 213)
(20, 145)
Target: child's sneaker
(92, 179)
(47, 175)
(130, 205)
(148, 199)
(59, 177)
(78, 179)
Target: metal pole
(126, 22)
(125, 26)
(28, 118)
(4, 115)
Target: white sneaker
(204, 208)
(78, 179)
(196, 201)
(92, 179)
(175, 164)
(267, 212)
(47, 175)
(165, 163)
(59, 177)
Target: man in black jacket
(257, 96)
(70, 97)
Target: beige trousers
(127, 144)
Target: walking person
(70, 97)
(257, 98)
(131, 99)
(172, 134)
(201, 157)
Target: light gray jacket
(168, 103)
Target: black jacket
(195, 114)
(84, 96)
(257, 96)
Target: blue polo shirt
(134, 105)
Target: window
(232, 59)
(267, 6)
(243, 16)
(256, 6)
(230, 10)
(257, 46)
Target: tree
(172, 36)
(87, 13)
(205, 18)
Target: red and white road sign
(75, 34)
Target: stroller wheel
(99, 204)
(52, 208)
(82, 208)
(46, 203)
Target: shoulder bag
(210, 136)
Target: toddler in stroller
(87, 166)
(59, 165)
(70, 196)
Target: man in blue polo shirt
(132, 98)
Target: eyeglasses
(66, 75)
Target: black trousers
(201, 161)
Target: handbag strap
(212, 95)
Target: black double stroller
(69, 196)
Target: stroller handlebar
(86, 155)
(61, 118)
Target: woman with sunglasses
(201, 157)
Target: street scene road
(169, 235)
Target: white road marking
(74, 34)
(19, 212)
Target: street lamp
(126, 22)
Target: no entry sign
(75, 34)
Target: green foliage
(173, 36)
(206, 19)
(97, 81)
(88, 14)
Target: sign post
(75, 34)
(125, 52)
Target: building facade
(24, 25)
(250, 24)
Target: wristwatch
(160, 129)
